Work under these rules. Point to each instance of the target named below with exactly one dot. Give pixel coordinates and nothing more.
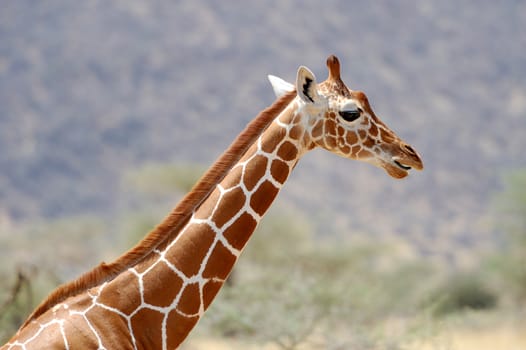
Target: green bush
(460, 292)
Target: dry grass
(507, 337)
(498, 338)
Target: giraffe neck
(183, 276)
(157, 302)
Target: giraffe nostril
(409, 149)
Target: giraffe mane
(176, 219)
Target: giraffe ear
(306, 85)
(280, 86)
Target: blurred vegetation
(291, 288)
(20, 293)
(462, 291)
(510, 263)
(17, 301)
(162, 179)
(500, 276)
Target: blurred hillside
(90, 91)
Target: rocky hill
(92, 90)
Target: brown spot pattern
(263, 197)
(147, 323)
(192, 249)
(287, 151)
(355, 149)
(373, 130)
(346, 149)
(330, 142)
(279, 170)
(219, 263)
(364, 153)
(296, 132)
(123, 294)
(270, 143)
(177, 327)
(113, 337)
(352, 138)
(254, 171)
(369, 142)
(161, 275)
(330, 127)
(235, 199)
(190, 301)
(239, 232)
(210, 289)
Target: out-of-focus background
(110, 110)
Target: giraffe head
(342, 121)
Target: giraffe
(152, 296)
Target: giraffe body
(154, 302)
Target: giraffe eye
(350, 116)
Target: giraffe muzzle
(401, 165)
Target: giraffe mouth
(400, 165)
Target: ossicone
(334, 68)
